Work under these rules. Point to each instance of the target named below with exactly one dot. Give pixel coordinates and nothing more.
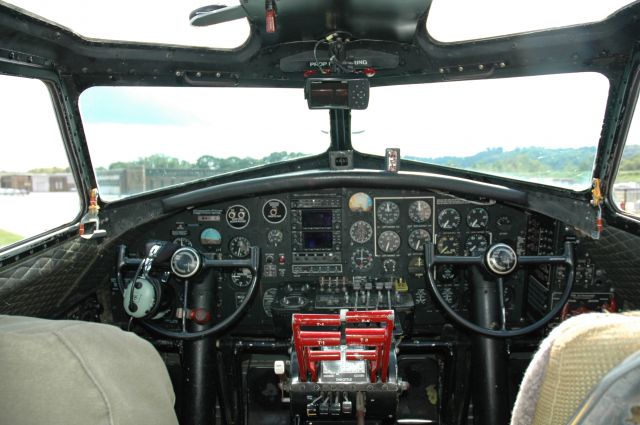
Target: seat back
(571, 362)
(72, 372)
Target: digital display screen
(318, 240)
(317, 218)
(329, 93)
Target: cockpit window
(146, 138)
(542, 129)
(493, 18)
(146, 21)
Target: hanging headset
(143, 295)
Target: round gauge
(210, 238)
(477, 218)
(417, 239)
(360, 202)
(449, 219)
(476, 244)
(267, 300)
(360, 231)
(416, 266)
(448, 245)
(241, 277)
(449, 296)
(389, 241)
(504, 223)
(501, 259)
(182, 242)
(185, 262)
(388, 212)
(237, 216)
(239, 246)
(362, 259)
(390, 265)
(447, 272)
(275, 236)
(274, 211)
(419, 211)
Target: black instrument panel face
(324, 243)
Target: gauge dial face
(241, 277)
(362, 259)
(390, 265)
(275, 236)
(417, 239)
(185, 262)
(237, 216)
(389, 241)
(182, 241)
(447, 272)
(360, 202)
(448, 245)
(360, 231)
(274, 211)
(210, 238)
(502, 259)
(504, 223)
(476, 244)
(477, 218)
(419, 211)
(416, 266)
(388, 212)
(449, 296)
(449, 219)
(239, 246)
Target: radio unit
(316, 228)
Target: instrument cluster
(337, 242)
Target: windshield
(146, 138)
(542, 129)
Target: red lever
(379, 339)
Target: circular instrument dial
(502, 259)
(448, 245)
(504, 223)
(237, 216)
(388, 212)
(390, 265)
(210, 238)
(360, 231)
(449, 219)
(185, 262)
(449, 296)
(241, 277)
(477, 218)
(362, 259)
(274, 211)
(419, 211)
(417, 239)
(275, 236)
(239, 246)
(476, 244)
(389, 241)
(447, 272)
(182, 241)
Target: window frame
(68, 132)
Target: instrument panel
(327, 247)
(356, 248)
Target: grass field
(7, 238)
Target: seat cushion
(71, 372)
(571, 361)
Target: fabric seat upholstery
(570, 362)
(71, 372)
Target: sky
(432, 120)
